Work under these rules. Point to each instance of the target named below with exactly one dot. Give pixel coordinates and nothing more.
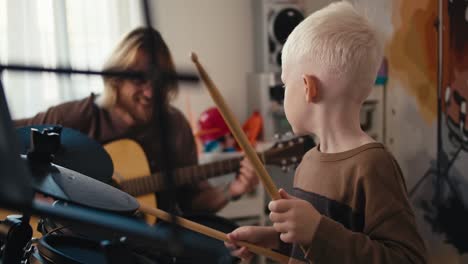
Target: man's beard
(142, 115)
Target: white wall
(313, 5)
(221, 33)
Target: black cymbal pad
(77, 152)
(70, 186)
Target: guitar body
(133, 175)
(130, 162)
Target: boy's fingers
(279, 206)
(241, 233)
(230, 236)
(230, 246)
(286, 237)
(277, 217)
(242, 253)
(280, 227)
(245, 253)
(236, 253)
(285, 195)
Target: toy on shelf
(215, 135)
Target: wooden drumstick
(213, 233)
(237, 131)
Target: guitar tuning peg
(284, 162)
(284, 169)
(291, 143)
(301, 140)
(289, 134)
(281, 145)
(294, 159)
(288, 169)
(277, 136)
(447, 95)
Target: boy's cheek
(294, 114)
(295, 125)
(289, 113)
(286, 106)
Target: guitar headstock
(287, 153)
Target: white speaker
(274, 21)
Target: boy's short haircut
(338, 41)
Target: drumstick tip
(194, 56)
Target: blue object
(382, 75)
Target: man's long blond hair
(124, 58)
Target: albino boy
(350, 203)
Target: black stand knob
(44, 144)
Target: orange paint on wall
(412, 52)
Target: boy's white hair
(341, 43)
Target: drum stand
(15, 234)
(117, 251)
(15, 231)
(16, 238)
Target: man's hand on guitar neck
(245, 181)
(212, 199)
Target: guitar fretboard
(182, 176)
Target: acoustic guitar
(132, 172)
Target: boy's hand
(294, 218)
(258, 235)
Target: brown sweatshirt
(366, 215)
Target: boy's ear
(310, 87)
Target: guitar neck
(182, 176)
